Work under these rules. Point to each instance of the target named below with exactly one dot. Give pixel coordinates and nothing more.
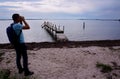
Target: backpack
(12, 36)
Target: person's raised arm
(26, 25)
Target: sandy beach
(65, 62)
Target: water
(74, 30)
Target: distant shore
(69, 44)
(66, 19)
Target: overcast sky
(61, 9)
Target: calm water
(74, 30)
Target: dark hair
(15, 16)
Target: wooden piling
(83, 25)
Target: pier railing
(55, 31)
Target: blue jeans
(21, 51)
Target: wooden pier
(55, 31)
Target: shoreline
(68, 44)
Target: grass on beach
(4, 74)
(104, 67)
(108, 70)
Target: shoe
(28, 73)
(21, 71)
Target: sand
(65, 63)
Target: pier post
(83, 25)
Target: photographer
(21, 50)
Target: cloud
(98, 8)
(49, 6)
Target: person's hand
(22, 18)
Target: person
(20, 48)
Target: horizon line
(68, 19)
